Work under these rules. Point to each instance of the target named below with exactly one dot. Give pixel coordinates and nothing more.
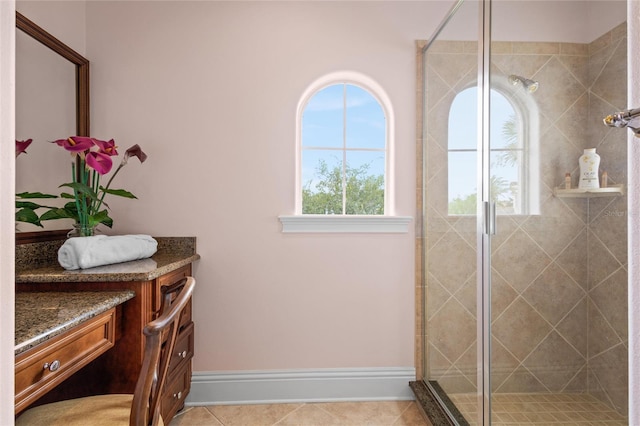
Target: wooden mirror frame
(82, 103)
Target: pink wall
(209, 90)
(216, 109)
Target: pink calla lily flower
(21, 146)
(107, 147)
(92, 159)
(75, 143)
(100, 162)
(134, 151)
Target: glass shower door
(450, 199)
(558, 277)
(524, 275)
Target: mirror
(81, 68)
(52, 101)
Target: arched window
(344, 130)
(513, 153)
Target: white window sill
(345, 223)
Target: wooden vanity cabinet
(117, 370)
(179, 380)
(43, 367)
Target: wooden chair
(143, 407)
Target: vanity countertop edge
(37, 263)
(41, 316)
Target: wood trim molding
(304, 385)
(82, 68)
(41, 236)
(30, 28)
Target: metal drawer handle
(178, 395)
(53, 366)
(182, 354)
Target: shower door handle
(489, 218)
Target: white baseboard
(289, 386)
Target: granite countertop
(43, 315)
(37, 263)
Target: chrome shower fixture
(530, 85)
(622, 119)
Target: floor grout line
(352, 414)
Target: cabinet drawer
(185, 316)
(175, 392)
(41, 368)
(169, 279)
(183, 350)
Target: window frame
(365, 83)
(385, 223)
(526, 109)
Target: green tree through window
(508, 156)
(366, 191)
(343, 149)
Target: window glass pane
(462, 182)
(365, 182)
(321, 182)
(506, 182)
(343, 121)
(463, 120)
(365, 121)
(506, 130)
(508, 156)
(323, 118)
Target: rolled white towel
(98, 250)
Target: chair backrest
(160, 338)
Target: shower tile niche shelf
(609, 191)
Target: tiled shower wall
(607, 263)
(559, 278)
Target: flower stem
(104, 192)
(95, 185)
(75, 191)
(85, 180)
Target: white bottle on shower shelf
(589, 164)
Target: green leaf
(119, 192)
(27, 204)
(58, 214)
(71, 207)
(82, 188)
(35, 195)
(67, 195)
(101, 217)
(29, 216)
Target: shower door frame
(433, 402)
(486, 217)
(485, 221)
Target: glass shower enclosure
(524, 274)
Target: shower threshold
(436, 405)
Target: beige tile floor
(548, 409)
(380, 413)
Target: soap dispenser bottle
(589, 163)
